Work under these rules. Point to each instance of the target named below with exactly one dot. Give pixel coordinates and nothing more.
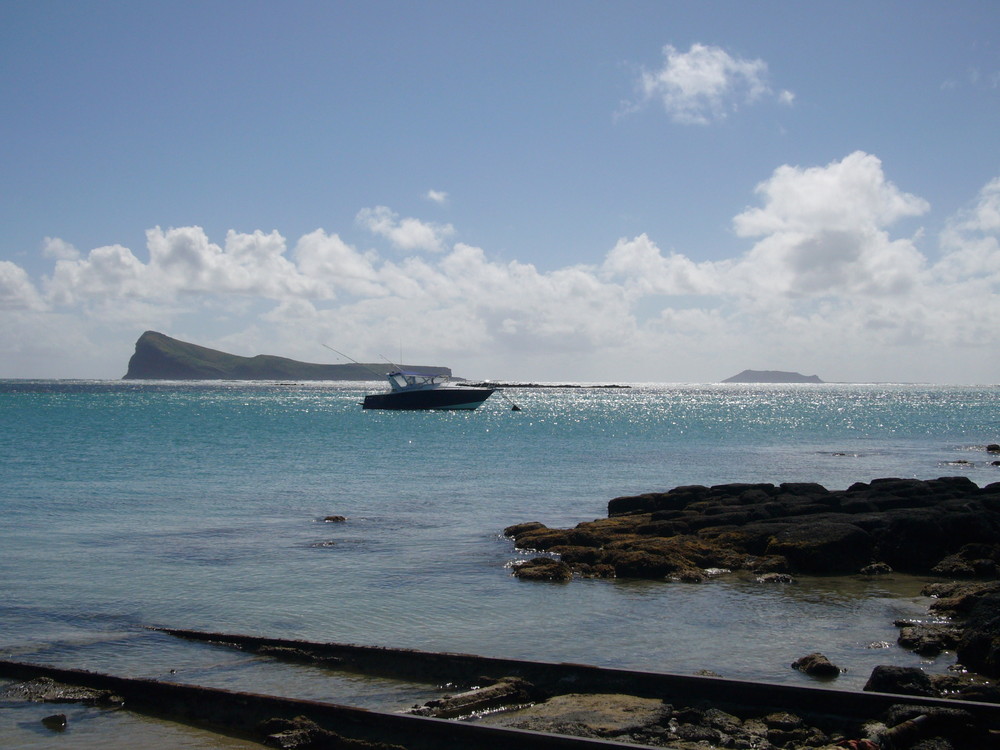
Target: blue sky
(629, 191)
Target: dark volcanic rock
(972, 561)
(816, 665)
(903, 680)
(909, 525)
(543, 569)
(823, 546)
(979, 647)
(928, 639)
(55, 722)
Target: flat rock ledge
(948, 526)
(650, 722)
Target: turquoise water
(201, 505)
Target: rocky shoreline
(947, 527)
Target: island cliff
(771, 376)
(159, 357)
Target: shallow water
(201, 505)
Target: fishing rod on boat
(378, 375)
(398, 367)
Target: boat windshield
(402, 380)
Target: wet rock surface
(949, 525)
(603, 716)
(651, 722)
(55, 722)
(975, 610)
(817, 665)
(507, 691)
(302, 733)
(47, 690)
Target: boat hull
(432, 398)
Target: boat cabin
(409, 381)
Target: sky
(565, 190)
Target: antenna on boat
(378, 375)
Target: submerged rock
(55, 722)
(928, 639)
(543, 569)
(816, 665)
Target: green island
(160, 357)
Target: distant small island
(771, 376)
(159, 357)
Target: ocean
(201, 505)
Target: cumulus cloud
(971, 241)
(111, 271)
(823, 231)
(326, 257)
(16, 290)
(437, 196)
(644, 270)
(705, 84)
(822, 284)
(251, 264)
(405, 234)
(53, 247)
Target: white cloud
(971, 241)
(16, 290)
(437, 196)
(645, 271)
(184, 260)
(705, 83)
(823, 232)
(405, 234)
(329, 259)
(823, 286)
(53, 247)
(111, 271)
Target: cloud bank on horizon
(823, 282)
(822, 273)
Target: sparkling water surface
(201, 505)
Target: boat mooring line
(514, 407)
